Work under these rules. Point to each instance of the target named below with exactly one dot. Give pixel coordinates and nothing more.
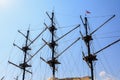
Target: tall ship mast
(87, 38)
(53, 44)
(50, 47)
(25, 49)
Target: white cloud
(102, 74)
(106, 76)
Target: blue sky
(19, 14)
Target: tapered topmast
(53, 44)
(90, 58)
(25, 49)
(52, 63)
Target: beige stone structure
(75, 78)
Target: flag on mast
(88, 12)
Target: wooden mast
(90, 58)
(25, 49)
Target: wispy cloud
(106, 76)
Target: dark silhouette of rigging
(90, 58)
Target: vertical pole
(86, 30)
(53, 45)
(88, 47)
(92, 72)
(25, 52)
